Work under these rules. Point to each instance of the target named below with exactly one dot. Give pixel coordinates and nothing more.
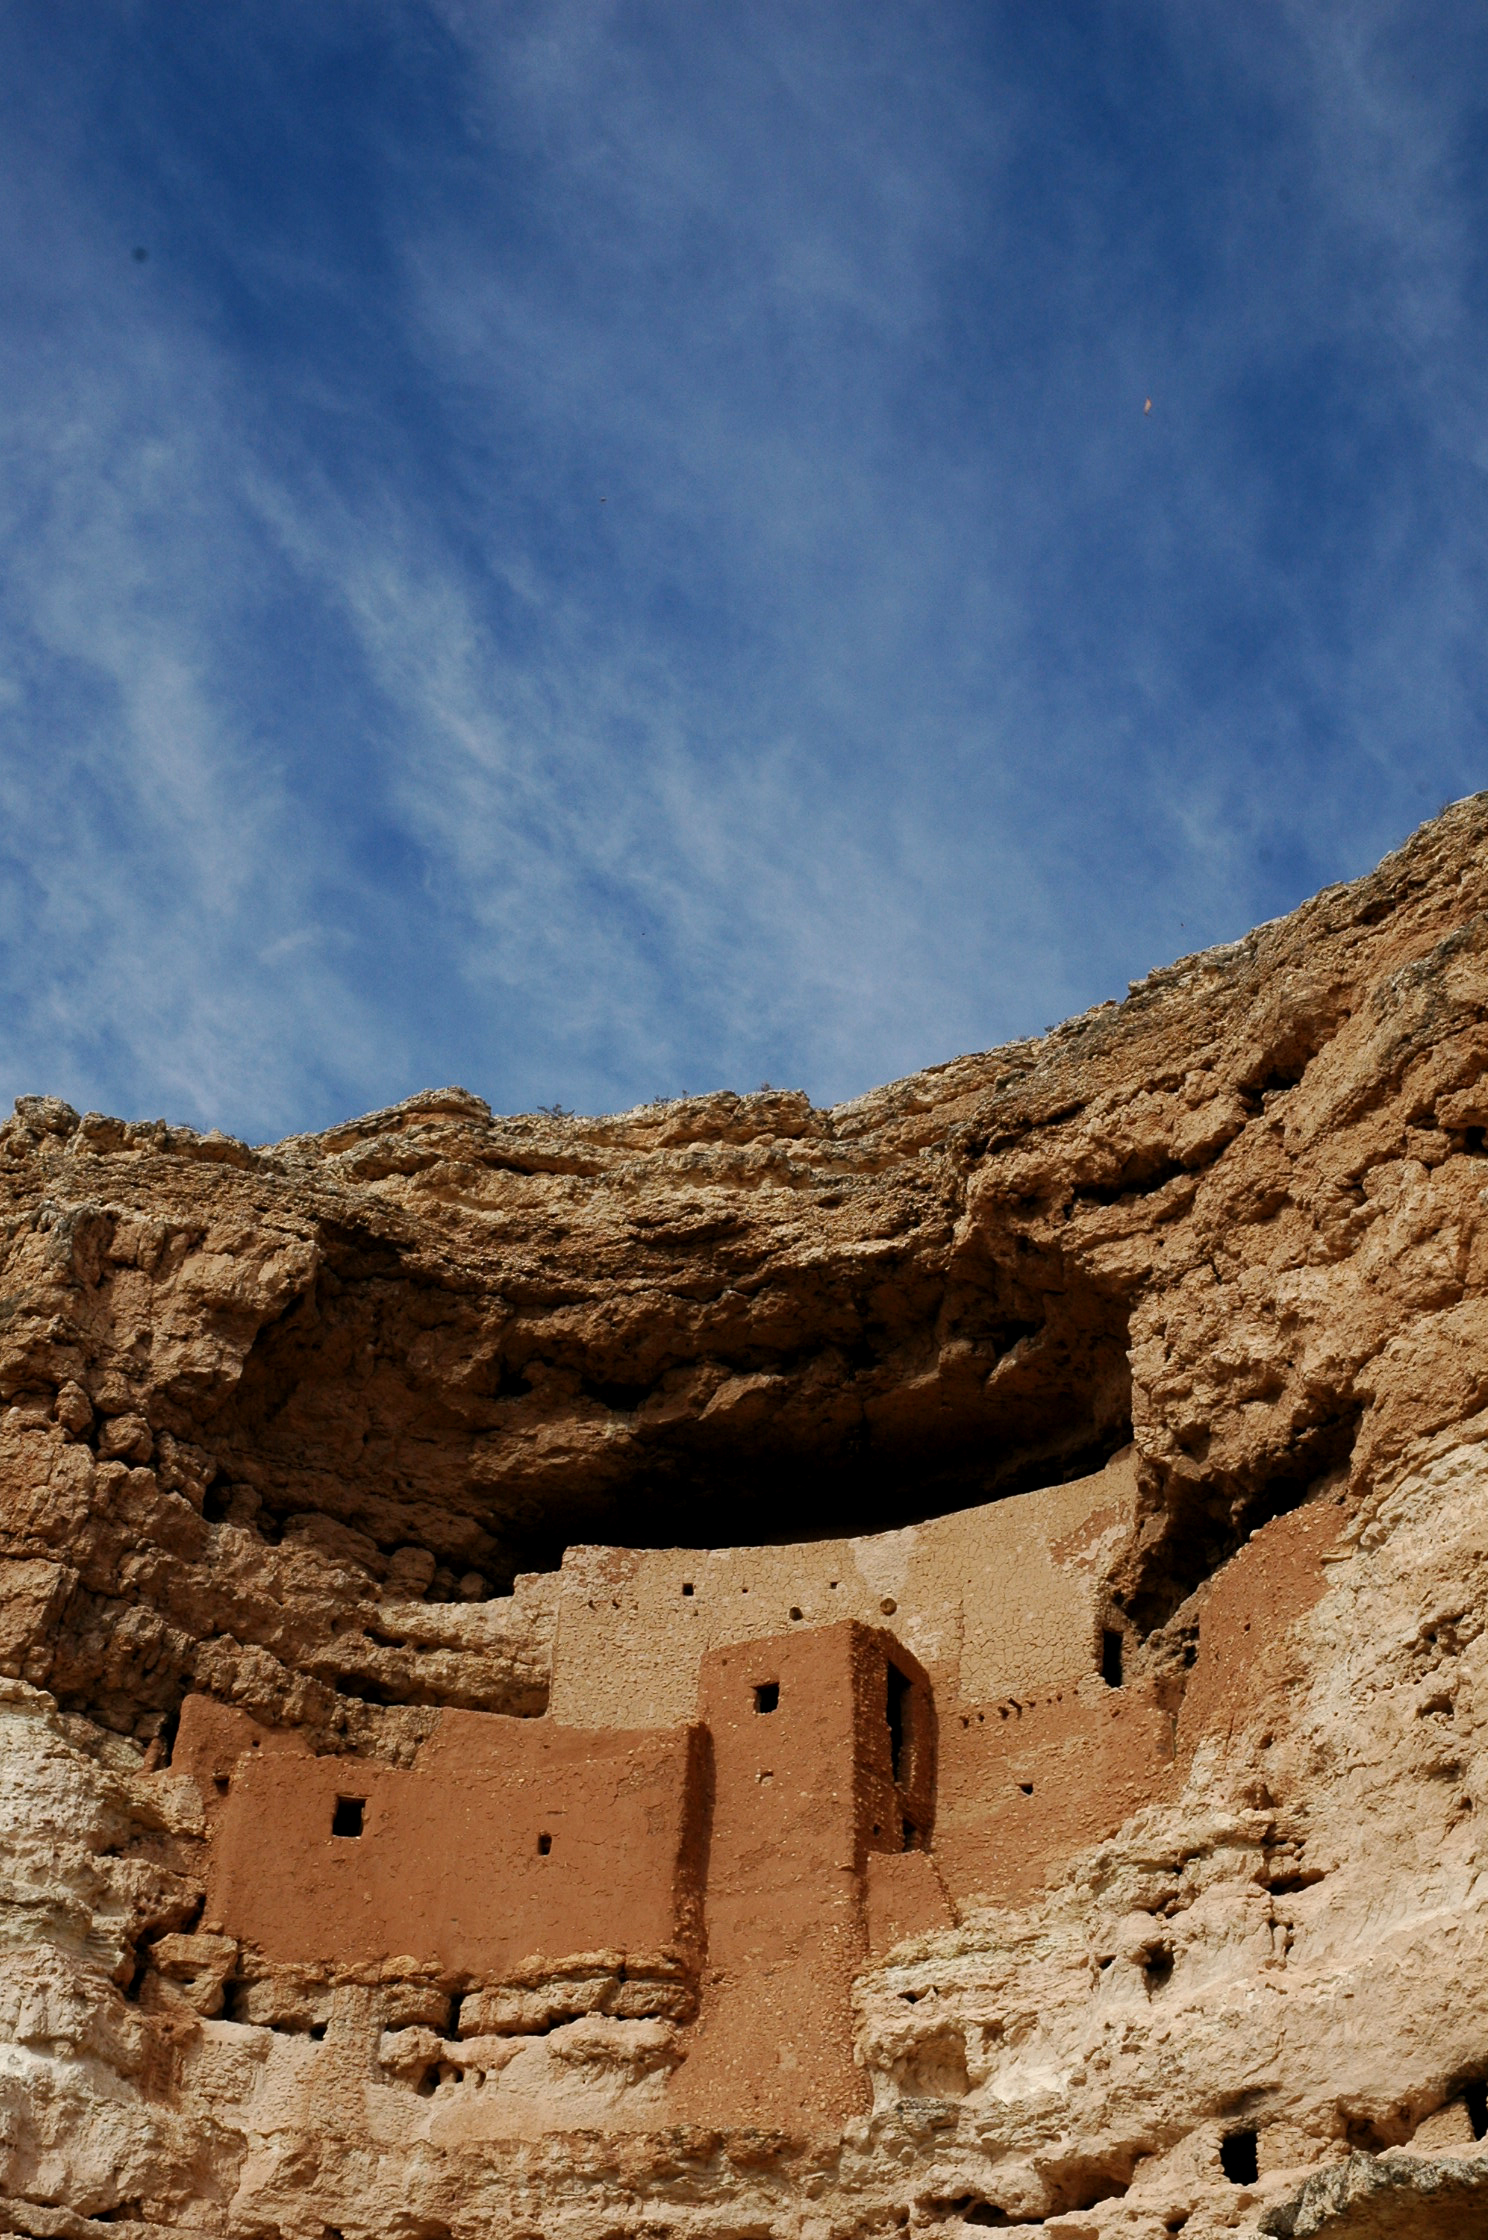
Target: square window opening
(346, 1820)
(544, 1845)
(767, 1696)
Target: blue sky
(607, 551)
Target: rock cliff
(300, 1433)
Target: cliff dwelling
(759, 1673)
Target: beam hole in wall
(767, 1696)
(346, 1819)
(544, 1845)
(1026, 1787)
(1111, 1648)
(687, 1586)
(795, 1615)
(1238, 2157)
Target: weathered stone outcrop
(301, 1433)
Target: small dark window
(687, 1586)
(1238, 2159)
(346, 1820)
(898, 1692)
(1026, 1787)
(1476, 2096)
(221, 1783)
(1111, 1658)
(317, 2031)
(795, 1616)
(767, 1696)
(544, 1845)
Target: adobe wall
(510, 1838)
(999, 1600)
(803, 1793)
(1246, 1617)
(1026, 1784)
(523, 1866)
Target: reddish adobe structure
(695, 1899)
(732, 1853)
(510, 1837)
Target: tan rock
(1120, 1392)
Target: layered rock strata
(295, 1440)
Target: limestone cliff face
(301, 1432)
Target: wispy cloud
(608, 551)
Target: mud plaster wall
(1005, 1599)
(516, 1847)
(802, 1795)
(509, 1838)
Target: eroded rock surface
(301, 1433)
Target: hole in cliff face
(413, 1412)
(1239, 2158)
(1475, 2094)
(1084, 2185)
(767, 1696)
(346, 1819)
(1111, 1643)
(1157, 1966)
(544, 1846)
